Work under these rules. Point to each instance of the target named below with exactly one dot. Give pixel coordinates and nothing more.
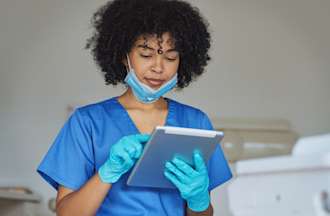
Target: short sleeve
(218, 168)
(69, 161)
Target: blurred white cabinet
(296, 184)
(247, 139)
(255, 138)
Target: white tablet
(165, 143)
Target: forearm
(207, 212)
(85, 201)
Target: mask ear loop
(129, 63)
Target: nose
(158, 65)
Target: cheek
(140, 66)
(173, 69)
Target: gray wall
(271, 59)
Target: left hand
(192, 182)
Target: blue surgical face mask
(143, 92)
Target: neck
(129, 101)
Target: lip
(154, 83)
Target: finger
(180, 175)
(142, 138)
(138, 150)
(130, 149)
(184, 167)
(137, 147)
(199, 161)
(173, 179)
(133, 148)
(126, 158)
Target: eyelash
(144, 56)
(169, 59)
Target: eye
(171, 59)
(145, 56)
(171, 56)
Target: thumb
(199, 161)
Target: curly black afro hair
(119, 23)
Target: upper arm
(70, 160)
(61, 193)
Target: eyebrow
(149, 48)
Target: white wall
(271, 59)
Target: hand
(192, 183)
(122, 157)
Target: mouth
(154, 83)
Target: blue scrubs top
(83, 145)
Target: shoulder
(194, 116)
(96, 110)
(188, 109)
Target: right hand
(122, 157)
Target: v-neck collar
(133, 126)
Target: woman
(151, 46)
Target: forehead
(165, 41)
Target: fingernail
(198, 154)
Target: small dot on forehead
(145, 43)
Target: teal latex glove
(192, 182)
(122, 157)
